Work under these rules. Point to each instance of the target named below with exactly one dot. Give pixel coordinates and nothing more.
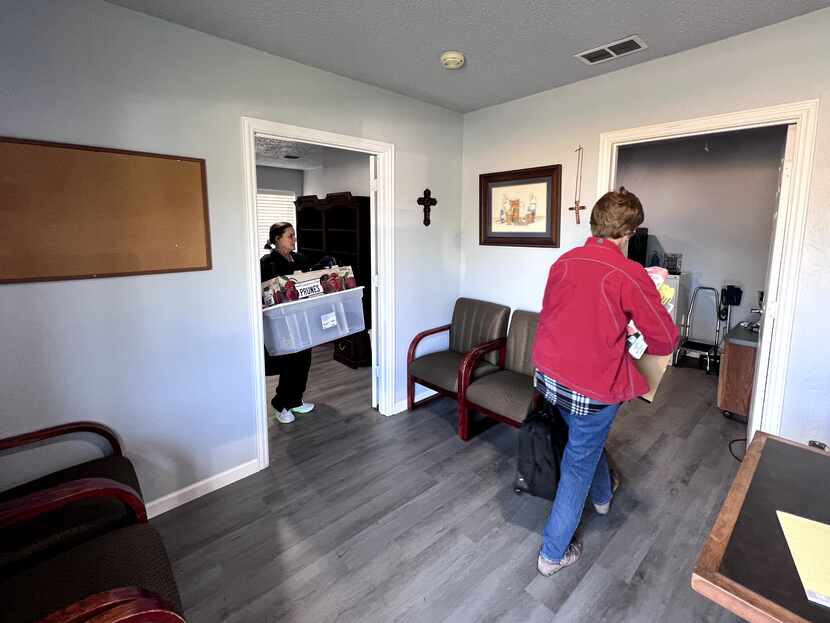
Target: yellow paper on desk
(809, 543)
(652, 367)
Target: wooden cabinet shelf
(338, 226)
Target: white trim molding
(383, 242)
(203, 487)
(788, 242)
(420, 394)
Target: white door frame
(787, 247)
(383, 258)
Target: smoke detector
(452, 59)
(612, 50)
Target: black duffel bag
(542, 440)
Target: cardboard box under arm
(652, 367)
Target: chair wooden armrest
(413, 345)
(121, 605)
(53, 498)
(465, 375)
(410, 357)
(17, 441)
(96, 604)
(471, 360)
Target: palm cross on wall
(576, 207)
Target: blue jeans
(584, 468)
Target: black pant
(293, 370)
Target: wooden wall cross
(427, 201)
(576, 208)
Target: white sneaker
(306, 407)
(285, 416)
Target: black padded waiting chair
(88, 499)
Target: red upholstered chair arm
(121, 605)
(51, 499)
(413, 345)
(17, 441)
(471, 359)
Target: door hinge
(375, 281)
(377, 372)
(373, 185)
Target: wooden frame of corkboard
(79, 212)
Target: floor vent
(609, 51)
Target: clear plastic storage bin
(295, 326)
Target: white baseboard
(420, 394)
(203, 487)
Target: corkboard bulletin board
(76, 212)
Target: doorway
(378, 161)
(787, 233)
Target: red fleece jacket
(592, 293)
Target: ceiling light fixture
(452, 59)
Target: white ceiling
(276, 152)
(514, 47)
(272, 152)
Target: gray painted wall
(783, 63)
(274, 178)
(715, 207)
(342, 171)
(167, 360)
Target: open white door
(373, 202)
(771, 294)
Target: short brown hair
(616, 214)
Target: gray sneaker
(603, 509)
(548, 567)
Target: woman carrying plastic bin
(293, 369)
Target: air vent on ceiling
(615, 49)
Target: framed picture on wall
(520, 208)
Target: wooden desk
(745, 565)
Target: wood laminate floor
(366, 518)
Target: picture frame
(521, 208)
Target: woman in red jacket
(582, 364)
